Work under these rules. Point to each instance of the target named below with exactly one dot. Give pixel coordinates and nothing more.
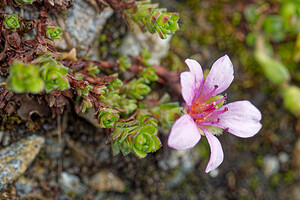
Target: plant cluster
(153, 19)
(118, 104)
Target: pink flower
(206, 114)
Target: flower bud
(108, 117)
(53, 32)
(11, 22)
(291, 97)
(24, 78)
(137, 89)
(274, 70)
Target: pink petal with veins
(216, 152)
(241, 119)
(184, 133)
(196, 70)
(220, 75)
(188, 89)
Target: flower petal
(221, 74)
(184, 133)
(241, 119)
(188, 87)
(216, 152)
(196, 69)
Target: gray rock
(15, 159)
(283, 157)
(71, 184)
(134, 42)
(271, 165)
(25, 186)
(106, 181)
(183, 160)
(53, 148)
(6, 139)
(83, 24)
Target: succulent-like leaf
(53, 32)
(11, 22)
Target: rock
(15, 159)
(25, 186)
(183, 160)
(90, 118)
(271, 165)
(53, 148)
(214, 173)
(283, 157)
(134, 42)
(71, 184)
(296, 158)
(106, 181)
(6, 139)
(83, 25)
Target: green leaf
(11, 22)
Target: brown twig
(72, 145)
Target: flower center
(203, 112)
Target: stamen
(209, 94)
(215, 114)
(196, 116)
(220, 100)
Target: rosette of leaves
(11, 22)
(53, 32)
(119, 137)
(137, 89)
(99, 91)
(149, 17)
(112, 98)
(124, 64)
(129, 105)
(84, 92)
(145, 141)
(22, 2)
(149, 74)
(115, 84)
(24, 78)
(54, 75)
(167, 113)
(93, 70)
(108, 117)
(137, 137)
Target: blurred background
(262, 39)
